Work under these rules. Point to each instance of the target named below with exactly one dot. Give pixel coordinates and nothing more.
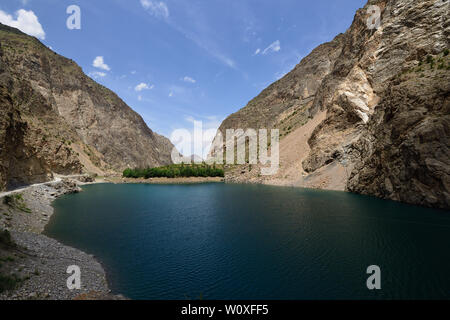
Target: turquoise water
(230, 241)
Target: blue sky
(175, 61)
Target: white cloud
(143, 86)
(99, 63)
(257, 51)
(26, 22)
(188, 79)
(200, 34)
(158, 9)
(97, 74)
(170, 94)
(274, 47)
(198, 144)
(140, 98)
(133, 72)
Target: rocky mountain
(368, 112)
(55, 119)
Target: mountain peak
(56, 119)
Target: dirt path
(7, 193)
(58, 178)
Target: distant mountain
(55, 119)
(368, 112)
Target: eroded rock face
(405, 150)
(385, 95)
(32, 138)
(55, 119)
(369, 62)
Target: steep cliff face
(55, 119)
(404, 151)
(378, 123)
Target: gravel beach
(38, 264)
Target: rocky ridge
(55, 119)
(367, 112)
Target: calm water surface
(230, 241)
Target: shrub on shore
(176, 171)
(16, 201)
(6, 240)
(9, 282)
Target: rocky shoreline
(36, 263)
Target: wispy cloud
(99, 63)
(257, 51)
(273, 47)
(206, 44)
(25, 21)
(158, 9)
(189, 79)
(143, 86)
(97, 74)
(196, 30)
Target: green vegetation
(5, 239)
(16, 201)
(8, 200)
(9, 282)
(438, 62)
(176, 170)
